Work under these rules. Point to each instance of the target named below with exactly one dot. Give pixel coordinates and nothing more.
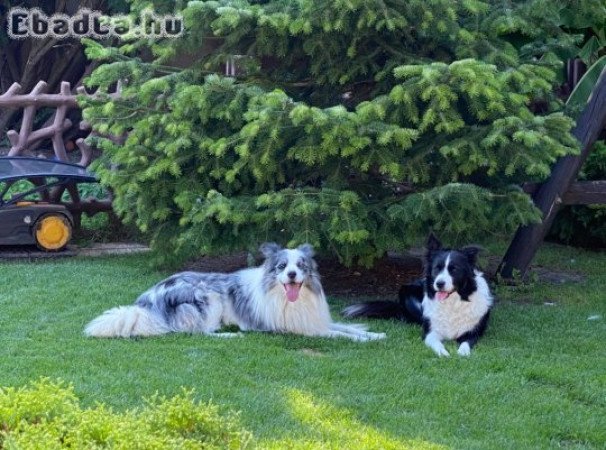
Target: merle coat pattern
(282, 295)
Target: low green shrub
(47, 415)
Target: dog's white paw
(375, 336)
(228, 335)
(464, 349)
(439, 349)
(442, 352)
(368, 336)
(432, 340)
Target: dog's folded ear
(471, 251)
(307, 250)
(269, 248)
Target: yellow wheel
(52, 232)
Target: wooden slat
(90, 206)
(586, 193)
(579, 193)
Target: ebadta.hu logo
(25, 23)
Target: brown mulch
(221, 264)
(535, 273)
(382, 280)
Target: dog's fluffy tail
(125, 322)
(376, 310)
(408, 309)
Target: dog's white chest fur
(309, 315)
(453, 317)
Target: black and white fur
(452, 301)
(283, 295)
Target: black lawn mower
(24, 221)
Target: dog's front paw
(369, 336)
(464, 349)
(441, 352)
(228, 335)
(439, 349)
(433, 341)
(375, 336)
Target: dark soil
(382, 280)
(535, 273)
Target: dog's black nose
(440, 284)
(292, 275)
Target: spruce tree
(354, 125)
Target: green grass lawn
(537, 379)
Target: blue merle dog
(282, 295)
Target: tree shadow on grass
(328, 427)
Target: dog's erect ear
(307, 250)
(269, 249)
(433, 243)
(471, 251)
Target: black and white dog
(283, 295)
(451, 302)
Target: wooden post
(548, 197)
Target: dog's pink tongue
(292, 291)
(441, 295)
